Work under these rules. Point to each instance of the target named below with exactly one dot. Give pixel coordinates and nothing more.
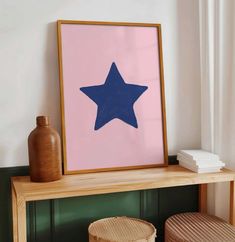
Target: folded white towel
(199, 155)
(199, 162)
(198, 169)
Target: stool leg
(203, 198)
(232, 203)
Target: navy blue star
(115, 99)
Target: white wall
(29, 83)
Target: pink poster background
(87, 54)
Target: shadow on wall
(2, 155)
(51, 99)
(188, 88)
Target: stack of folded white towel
(200, 161)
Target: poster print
(112, 96)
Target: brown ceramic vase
(44, 149)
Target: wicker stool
(120, 229)
(198, 227)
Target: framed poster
(112, 96)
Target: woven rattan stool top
(121, 229)
(198, 227)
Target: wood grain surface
(115, 181)
(44, 149)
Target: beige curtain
(217, 51)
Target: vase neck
(43, 121)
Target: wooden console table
(110, 182)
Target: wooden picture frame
(112, 96)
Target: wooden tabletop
(115, 181)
